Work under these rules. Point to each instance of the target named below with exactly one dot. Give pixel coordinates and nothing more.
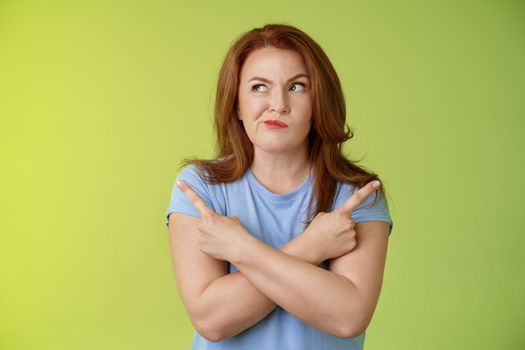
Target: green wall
(100, 100)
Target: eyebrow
(269, 81)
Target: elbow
(351, 331)
(211, 334)
(206, 322)
(212, 337)
(353, 327)
(203, 323)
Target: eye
(301, 84)
(256, 87)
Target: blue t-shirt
(274, 219)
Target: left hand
(221, 237)
(333, 234)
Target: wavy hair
(233, 149)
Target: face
(274, 86)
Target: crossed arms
(339, 301)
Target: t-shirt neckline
(278, 197)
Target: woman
(280, 241)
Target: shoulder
(190, 172)
(217, 195)
(196, 178)
(374, 207)
(180, 203)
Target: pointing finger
(358, 197)
(194, 198)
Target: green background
(100, 100)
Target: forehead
(271, 61)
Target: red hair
(234, 150)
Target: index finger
(194, 198)
(358, 197)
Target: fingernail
(376, 184)
(179, 184)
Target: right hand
(333, 234)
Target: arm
(365, 265)
(340, 301)
(207, 289)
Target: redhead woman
(280, 241)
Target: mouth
(275, 123)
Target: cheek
(257, 107)
(250, 106)
(304, 110)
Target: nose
(279, 103)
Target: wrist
(245, 250)
(300, 248)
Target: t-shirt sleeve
(366, 211)
(179, 202)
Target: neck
(281, 172)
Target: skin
(280, 155)
(333, 302)
(225, 238)
(338, 301)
